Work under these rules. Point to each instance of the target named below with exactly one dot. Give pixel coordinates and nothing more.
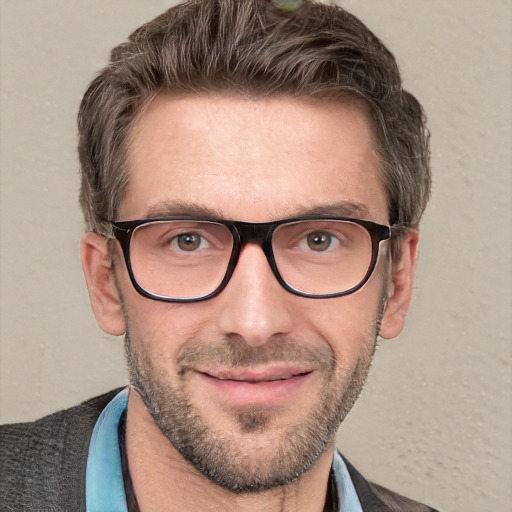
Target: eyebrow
(182, 209)
(338, 209)
(164, 209)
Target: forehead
(253, 160)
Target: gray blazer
(42, 465)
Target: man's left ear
(400, 286)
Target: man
(253, 177)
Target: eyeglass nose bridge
(260, 234)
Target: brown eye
(319, 241)
(188, 241)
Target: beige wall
(435, 419)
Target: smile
(255, 387)
(256, 380)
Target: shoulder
(42, 463)
(375, 498)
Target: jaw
(249, 446)
(154, 462)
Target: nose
(254, 306)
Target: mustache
(234, 352)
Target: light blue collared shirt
(104, 477)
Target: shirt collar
(347, 495)
(104, 487)
(104, 476)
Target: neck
(164, 481)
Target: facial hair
(258, 457)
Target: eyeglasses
(189, 260)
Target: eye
(189, 241)
(319, 241)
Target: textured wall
(435, 419)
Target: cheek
(161, 329)
(348, 324)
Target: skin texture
(257, 446)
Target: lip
(255, 386)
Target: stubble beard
(258, 457)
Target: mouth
(256, 375)
(255, 386)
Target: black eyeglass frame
(244, 233)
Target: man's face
(250, 386)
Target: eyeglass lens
(322, 256)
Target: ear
(103, 291)
(400, 286)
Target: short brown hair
(256, 48)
